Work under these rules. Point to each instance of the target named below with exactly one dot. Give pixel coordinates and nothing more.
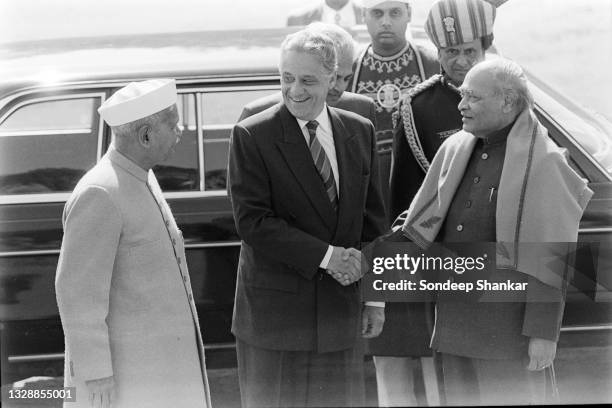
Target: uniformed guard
(461, 30)
(130, 323)
(388, 68)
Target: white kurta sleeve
(92, 227)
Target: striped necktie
(322, 164)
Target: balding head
(509, 80)
(494, 93)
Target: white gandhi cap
(371, 3)
(138, 100)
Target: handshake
(345, 265)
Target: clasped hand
(345, 265)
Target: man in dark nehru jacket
(388, 68)
(497, 181)
(337, 97)
(305, 191)
(461, 30)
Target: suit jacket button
(460, 227)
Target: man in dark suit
(304, 185)
(341, 12)
(337, 97)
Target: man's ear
(409, 7)
(143, 135)
(510, 99)
(332, 79)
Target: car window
(180, 171)
(220, 110)
(48, 144)
(592, 132)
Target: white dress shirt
(344, 17)
(326, 138)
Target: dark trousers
(273, 378)
(474, 381)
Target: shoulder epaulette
(418, 88)
(405, 110)
(412, 92)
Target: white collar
(347, 6)
(322, 119)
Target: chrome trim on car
(601, 327)
(42, 252)
(39, 252)
(34, 198)
(196, 194)
(21, 133)
(595, 230)
(33, 358)
(213, 245)
(200, 131)
(63, 197)
(219, 346)
(101, 133)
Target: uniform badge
(444, 134)
(449, 26)
(389, 95)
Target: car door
(48, 140)
(588, 139)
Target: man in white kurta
(131, 328)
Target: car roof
(126, 57)
(232, 53)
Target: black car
(51, 134)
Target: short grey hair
(131, 128)
(511, 81)
(314, 43)
(343, 41)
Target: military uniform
(426, 117)
(386, 80)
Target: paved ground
(584, 376)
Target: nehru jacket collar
(127, 164)
(498, 136)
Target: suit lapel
(349, 167)
(298, 157)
